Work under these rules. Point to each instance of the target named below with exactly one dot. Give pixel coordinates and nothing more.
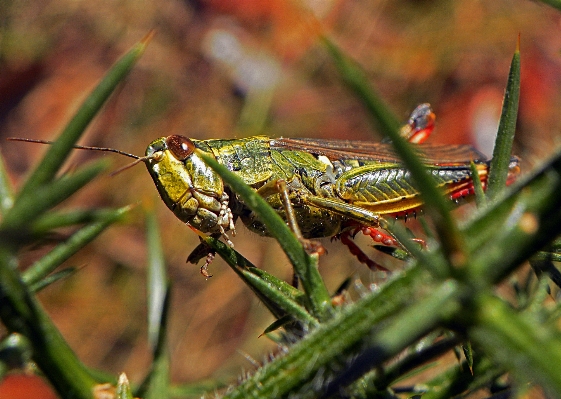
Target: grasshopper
(331, 188)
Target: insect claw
(338, 300)
(353, 233)
(313, 247)
(208, 261)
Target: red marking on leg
(378, 236)
(467, 189)
(345, 238)
(464, 192)
(421, 135)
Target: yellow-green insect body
(331, 183)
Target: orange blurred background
(222, 69)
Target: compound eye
(181, 147)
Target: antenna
(79, 147)
(104, 149)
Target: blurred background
(234, 68)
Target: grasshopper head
(187, 185)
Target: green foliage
(29, 217)
(503, 145)
(156, 384)
(123, 388)
(553, 3)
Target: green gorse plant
(27, 216)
